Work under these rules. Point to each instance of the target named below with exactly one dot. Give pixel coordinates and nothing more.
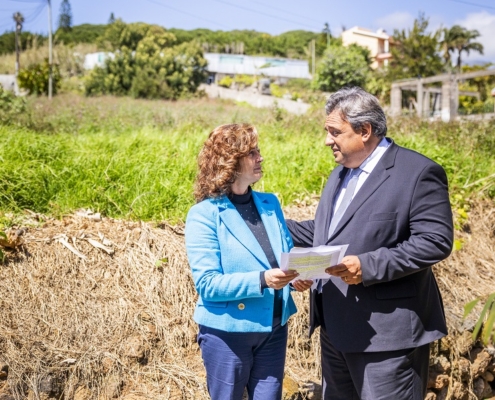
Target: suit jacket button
(241, 306)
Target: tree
(26, 39)
(416, 52)
(465, 44)
(18, 19)
(324, 40)
(147, 64)
(447, 45)
(85, 33)
(342, 66)
(457, 38)
(65, 17)
(35, 78)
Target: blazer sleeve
(203, 252)
(430, 235)
(302, 232)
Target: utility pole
(313, 58)
(18, 19)
(50, 55)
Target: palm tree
(459, 39)
(447, 45)
(465, 43)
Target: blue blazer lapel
(239, 230)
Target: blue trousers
(238, 360)
(385, 375)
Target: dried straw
(100, 308)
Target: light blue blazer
(226, 260)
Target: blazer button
(241, 306)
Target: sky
(270, 16)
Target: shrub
(35, 78)
(246, 80)
(341, 66)
(226, 81)
(11, 106)
(148, 65)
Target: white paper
(311, 262)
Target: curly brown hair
(218, 160)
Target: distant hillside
(292, 44)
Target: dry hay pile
(96, 308)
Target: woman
(234, 238)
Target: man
(381, 306)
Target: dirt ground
(97, 308)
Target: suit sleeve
(430, 236)
(302, 232)
(203, 252)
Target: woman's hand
(302, 285)
(275, 278)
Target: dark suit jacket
(399, 224)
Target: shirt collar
(372, 160)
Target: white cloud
(404, 20)
(397, 20)
(484, 22)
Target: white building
(377, 42)
(93, 60)
(220, 65)
(9, 82)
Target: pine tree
(65, 17)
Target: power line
(28, 1)
(36, 13)
(473, 4)
(262, 13)
(189, 14)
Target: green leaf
(3, 234)
(457, 244)
(161, 262)
(489, 326)
(469, 307)
(481, 318)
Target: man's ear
(366, 131)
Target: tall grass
(137, 159)
(70, 58)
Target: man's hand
(349, 270)
(302, 285)
(276, 278)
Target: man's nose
(329, 140)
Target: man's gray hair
(358, 107)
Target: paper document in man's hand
(311, 262)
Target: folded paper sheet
(311, 262)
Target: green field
(136, 159)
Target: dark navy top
(244, 204)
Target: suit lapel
(379, 175)
(325, 207)
(239, 230)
